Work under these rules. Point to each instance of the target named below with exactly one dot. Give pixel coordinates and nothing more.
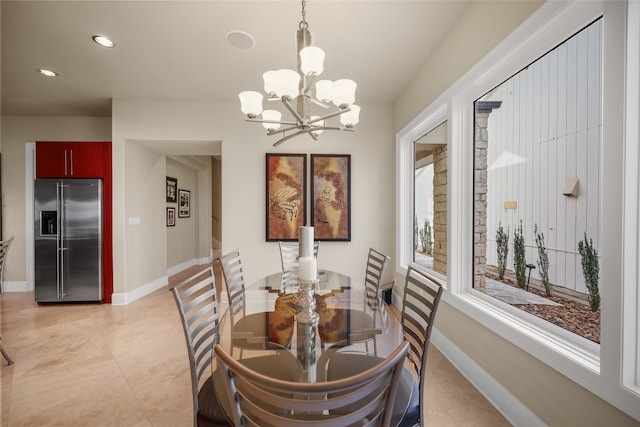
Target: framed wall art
(172, 189)
(171, 217)
(331, 196)
(286, 197)
(184, 203)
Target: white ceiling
(177, 49)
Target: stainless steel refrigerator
(68, 240)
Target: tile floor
(103, 365)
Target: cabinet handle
(71, 152)
(65, 162)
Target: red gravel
(570, 315)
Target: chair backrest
(4, 249)
(198, 307)
(422, 293)
(259, 400)
(289, 254)
(376, 264)
(234, 278)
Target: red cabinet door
(85, 159)
(69, 159)
(50, 160)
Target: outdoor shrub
(590, 271)
(415, 233)
(543, 260)
(425, 237)
(502, 241)
(519, 261)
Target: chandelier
(293, 89)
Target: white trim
(190, 263)
(506, 403)
(144, 290)
(631, 291)
(17, 286)
(139, 292)
(597, 368)
(29, 176)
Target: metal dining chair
(198, 307)
(259, 400)
(4, 250)
(289, 254)
(362, 324)
(422, 294)
(249, 330)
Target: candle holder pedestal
(307, 302)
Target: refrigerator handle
(58, 206)
(62, 237)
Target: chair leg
(6, 356)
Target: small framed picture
(171, 217)
(172, 189)
(184, 203)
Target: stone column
(481, 144)
(440, 210)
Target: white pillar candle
(308, 268)
(305, 241)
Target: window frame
(607, 370)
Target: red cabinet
(70, 159)
(84, 160)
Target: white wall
(243, 179)
(16, 131)
(182, 238)
(145, 247)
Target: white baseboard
(16, 286)
(506, 403)
(141, 291)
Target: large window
(562, 157)
(537, 186)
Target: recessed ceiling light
(103, 41)
(240, 39)
(48, 73)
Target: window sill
(569, 353)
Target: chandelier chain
(303, 23)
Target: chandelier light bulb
(250, 103)
(311, 60)
(269, 79)
(344, 92)
(271, 116)
(351, 118)
(287, 83)
(324, 91)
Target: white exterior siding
(548, 129)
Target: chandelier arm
(320, 103)
(283, 130)
(311, 80)
(286, 138)
(292, 110)
(271, 121)
(328, 116)
(340, 128)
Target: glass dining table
(275, 335)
